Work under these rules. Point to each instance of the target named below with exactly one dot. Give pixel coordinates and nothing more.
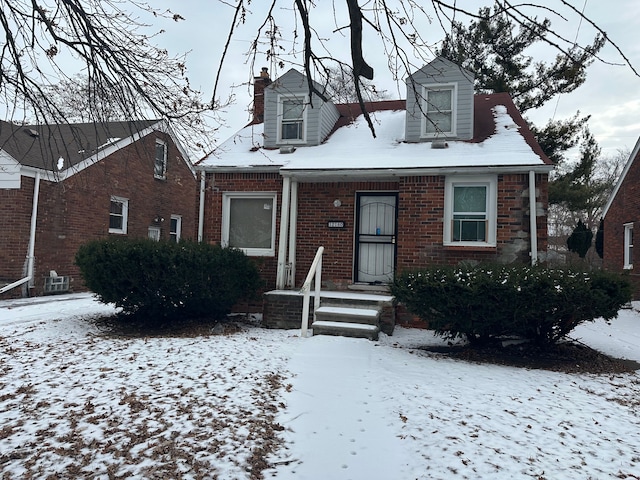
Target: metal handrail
(314, 272)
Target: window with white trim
(439, 108)
(249, 222)
(291, 112)
(628, 246)
(470, 211)
(160, 162)
(118, 213)
(175, 228)
(154, 233)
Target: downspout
(532, 217)
(293, 221)
(203, 175)
(32, 243)
(284, 225)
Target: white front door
(375, 237)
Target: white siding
(320, 116)
(9, 172)
(440, 72)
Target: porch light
(337, 203)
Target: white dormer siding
(439, 103)
(284, 124)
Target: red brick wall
(625, 208)
(420, 227)
(76, 210)
(219, 183)
(420, 223)
(15, 219)
(315, 209)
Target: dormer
(291, 117)
(439, 103)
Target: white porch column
(532, 217)
(203, 175)
(284, 225)
(293, 222)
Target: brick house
(62, 185)
(620, 214)
(450, 176)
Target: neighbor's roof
(41, 146)
(501, 139)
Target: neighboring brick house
(621, 214)
(450, 177)
(89, 181)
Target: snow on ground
(75, 403)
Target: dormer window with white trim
(292, 113)
(439, 109)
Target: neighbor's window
(118, 213)
(470, 212)
(439, 103)
(249, 221)
(628, 246)
(154, 233)
(175, 228)
(292, 111)
(160, 163)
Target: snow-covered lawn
(75, 403)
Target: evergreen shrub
(158, 281)
(486, 302)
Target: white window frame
(125, 214)
(227, 197)
(305, 101)
(453, 87)
(154, 233)
(628, 246)
(489, 181)
(175, 236)
(164, 160)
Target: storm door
(376, 229)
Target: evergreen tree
(580, 240)
(494, 49)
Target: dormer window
(292, 119)
(439, 108)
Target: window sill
(628, 267)
(466, 247)
(117, 232)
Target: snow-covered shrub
(485, 302)
(163, 280)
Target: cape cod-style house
(620, 215)
(62, 185)
(449, 177)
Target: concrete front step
(346, 329)
(348, 314)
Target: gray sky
(611, 94)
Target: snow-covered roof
(500, 140)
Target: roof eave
(383, 174)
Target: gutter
(394, 173)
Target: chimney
(259, 84)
